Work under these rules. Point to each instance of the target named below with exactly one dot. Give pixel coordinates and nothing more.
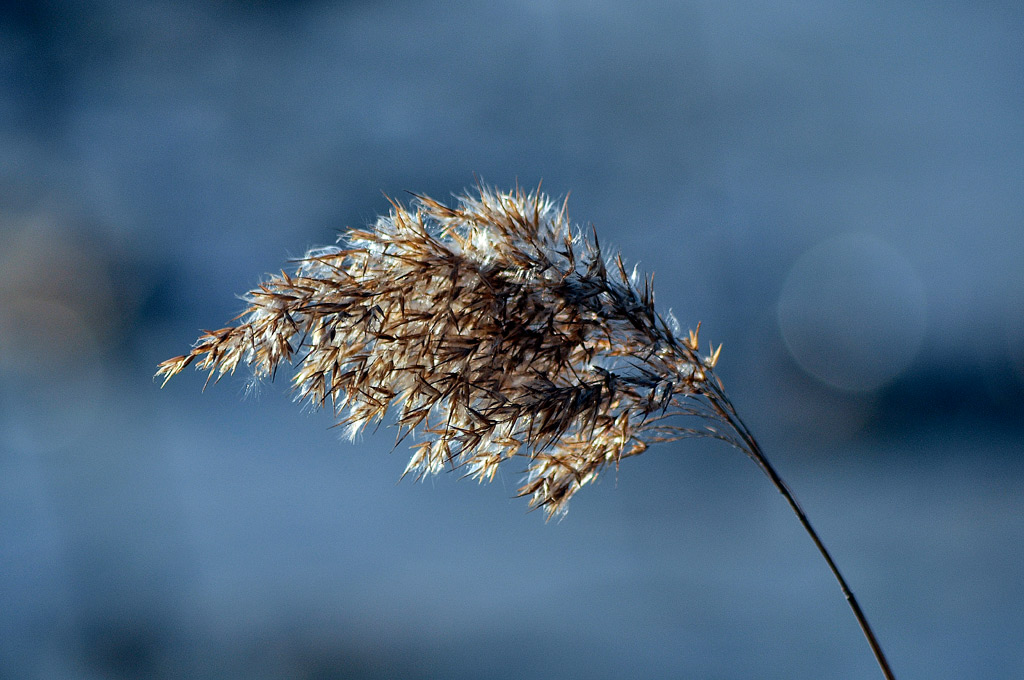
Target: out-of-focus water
(834, 190)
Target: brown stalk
(721, 404)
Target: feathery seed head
(491, 329)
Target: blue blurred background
(833, 188)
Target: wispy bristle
(491, 329)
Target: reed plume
(492, 330)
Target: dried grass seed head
(492, 329)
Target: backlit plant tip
(491, 329)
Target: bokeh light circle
(852, 312)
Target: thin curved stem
(723, 407)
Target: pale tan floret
(491, 329)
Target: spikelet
(492, 329)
